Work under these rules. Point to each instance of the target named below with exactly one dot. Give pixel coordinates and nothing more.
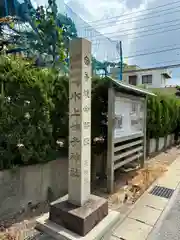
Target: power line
(150, 25)
(143, 54)
(150, 53)
(113, 41)
(165, 66)
(137, 20)
(128, 14)
(148, 30)
(150, 34)
(155, 52)
(142, 50)
(122, 21)
(88, 25)
(156, 48)
(168, 66)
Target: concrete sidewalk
(151, 217)
(168, 225)
(145, 219)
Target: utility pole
(6, 8)
(121, 61)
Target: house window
(147, 79)
(134, 108)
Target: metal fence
(103, 48)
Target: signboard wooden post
(126, 128)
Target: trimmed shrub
(26, 131)
(34, 109)
(162, 115)
(34, 112)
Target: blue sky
(131, 15)
(132, 10)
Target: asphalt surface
(168, 225)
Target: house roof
(135, 69)
(150, 69)
(130, 88)
(146, 69)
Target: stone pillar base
(102, 231)
(79, 220)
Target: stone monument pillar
(79, 215)
(79, 122)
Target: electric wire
(87, 24)
(162, 63)
(127, 14)
(133, 19)
(148, 30)
(141, 36)
(150, 53)
(155, 52)
(155, 48)
(142, 27)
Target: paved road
(168, 226)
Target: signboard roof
(130, 88)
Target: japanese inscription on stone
(87, 119)
(80, 121)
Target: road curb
(164, 213)
(165, 181)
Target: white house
(152, 77)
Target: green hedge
(163, 115)
(25, 108)
(34, 113)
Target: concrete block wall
(162, 144)
(30, 185)
(168, 143)
(152, 145)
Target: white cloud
(34, 3)
(103, 9)
(156, 40)
(110, 25)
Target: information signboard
(129, 117)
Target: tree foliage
(34, 113)
(26, 131)
(99, 65)
(162, 116)
(42, 33)
(45, 39)
(69, 30)
(177, 91)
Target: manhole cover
(162, 192)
